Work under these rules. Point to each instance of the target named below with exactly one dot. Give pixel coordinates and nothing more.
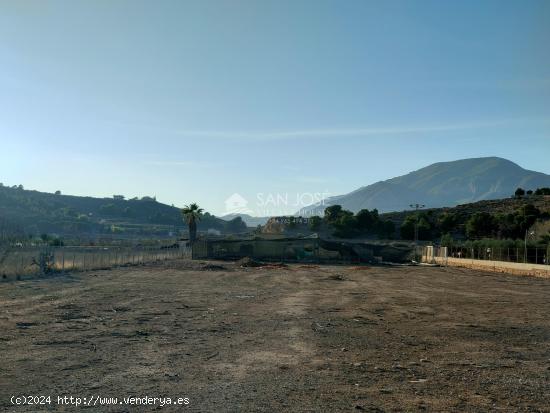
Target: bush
(519, 193)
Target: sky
(193, 101)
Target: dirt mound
(248, 262)
(275, 265)
(213, 267)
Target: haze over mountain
(248, 219)
(440, 184)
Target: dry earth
(296, 339)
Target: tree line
(345, 224)
(520, 192)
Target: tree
(519, 192)
(192, 214)
(366, 220)
(513, 225)
(419, 223)
(407, 227)
(542, 191)
(447, 240)
(345, 225)
(314, 223)
(332, 213)
(480, 224)
(424, 228)
(58, 192)
(385, 229)
(447, 222)
(529, 192)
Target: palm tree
(192, 214)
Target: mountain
(438, 185)
(248, 219)
(34, 212)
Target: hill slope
(36, 212)
(440, 184)
(248, 219)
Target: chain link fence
(17, 262)
(529, 255)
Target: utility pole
(416, 207)
(527, 233)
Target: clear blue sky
(193, 101)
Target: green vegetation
(345, 224)
(473, 223)
(32, 213)
(192, 214)
(447, 240)
(506, 226)
(420, 222)
(315, 223)
(52, 241)
(542, 191)
(520, 192)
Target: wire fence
(528, 255)
(16, 262)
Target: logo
(276, 204)
(237, 204)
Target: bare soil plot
(295, 338)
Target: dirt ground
(296, 339)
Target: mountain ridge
(442, 184)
